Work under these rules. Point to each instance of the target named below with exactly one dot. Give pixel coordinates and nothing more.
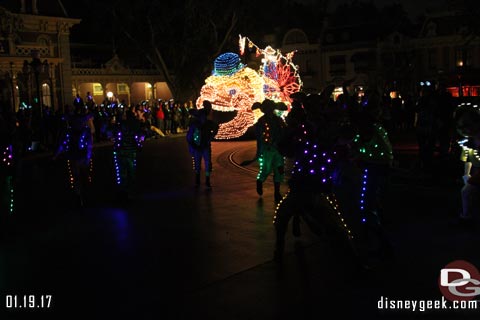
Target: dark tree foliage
(181, 38)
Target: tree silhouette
(181, 38)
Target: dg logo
(459, 280)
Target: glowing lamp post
(110, 96)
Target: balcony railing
(26, 50)
(104, 71)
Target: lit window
(46, 95)
(122, 88)
(97, 89)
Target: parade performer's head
(207, 107)
(269, 106)
(373, 105)
(468, 121)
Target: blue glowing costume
(127, 142)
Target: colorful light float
(234, 87)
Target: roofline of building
(40, 17)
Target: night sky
(94, 11)
(97, 26)
(93, 8)
(413, 7)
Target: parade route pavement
(174, 251)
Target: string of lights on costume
(363, 193)
(311, 196)
(266, 141)
(469, 155)
(375, 151)
(467, 126)
(313, 188)
(332, 200)
(467, 151)
(467, 121)
(320, 209)
(75, 151)
(201, 133)
(378, 148)
(77, 145)
(270, 129)
(235, 87)
(7, 164)
(315, 168)
(128, 141)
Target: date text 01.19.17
(26, 301)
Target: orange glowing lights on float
(237, 93)
(234, 87)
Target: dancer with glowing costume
(322, 171)
(471, 178)
(468, 125)
(7, 164)
(269, 132)
(76, 146)
(311, 194)
(374, 159)
(128, 140)
(374, 154)
(199, 137)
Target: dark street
(177, 252)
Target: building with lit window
(114, 81)
(37, 67)
(350, 52)
(445, 48)
(448, 50)
(307, 54)
(35, 55)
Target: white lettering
(446, 283)
(380, 303)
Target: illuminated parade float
(234, 87)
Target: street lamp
(110, 97)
